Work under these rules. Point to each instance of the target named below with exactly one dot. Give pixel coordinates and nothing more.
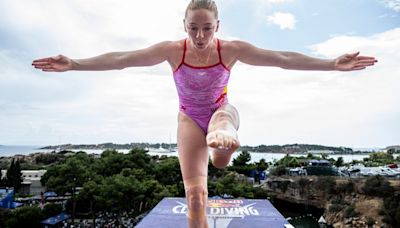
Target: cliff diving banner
(222, 213)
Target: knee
(196, 200)
(223, 114)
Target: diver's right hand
(57, 63)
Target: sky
(353, 109)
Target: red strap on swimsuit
(219, 52)
(184, 52)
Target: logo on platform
(222, 208)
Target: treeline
(295, 148)
(109, 146)
(135, 182)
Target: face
(201, 25)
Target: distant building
(30, 184)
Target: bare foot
(224, 142)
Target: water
(7, 151)
(299, 215)
(255, 157)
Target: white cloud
(140, 104)
(332, 108)
(283, 20)
(392, 4)
(80, 28)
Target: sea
(11, 150)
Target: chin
(201, 47)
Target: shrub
(377, 186)
(391, 210)
(278, 171)
(335, 207)
(350, 211)
(326, 184)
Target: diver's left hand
(353, 61)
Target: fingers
(366, 61)
(41, 60)
(355, 54)
(45, 66)
(40, 64)
(366, 58)
(46, 60)
(363, 64)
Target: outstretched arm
(152, 55)
(252, 55)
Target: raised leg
(222, 135)
(193, 159)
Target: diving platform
(222, 213)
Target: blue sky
(356, 109)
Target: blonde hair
(202, 4)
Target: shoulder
(173, 45)
(234, 47)
(174, 52)
(233, 44)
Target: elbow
(284, 61)
(120, 62)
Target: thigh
(192, 148)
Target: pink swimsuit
(201, 90)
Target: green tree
(167, 171)
(262, 165)
(288, 161)
(339, 162)
(324, 156)
(239, 164)
(72, 173)
(5, 214)
(311, 156)
(378, 159)
(242, 159)
(231, 184)
(279, 170)
(91, 193)
(48, 158)
(112, 162)
(25, 217)
(51, 210)
(14, 175)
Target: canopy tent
(49, 194)
(56, 219)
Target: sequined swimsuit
(201, 90)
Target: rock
(347, 221)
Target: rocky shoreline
(343, 207)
